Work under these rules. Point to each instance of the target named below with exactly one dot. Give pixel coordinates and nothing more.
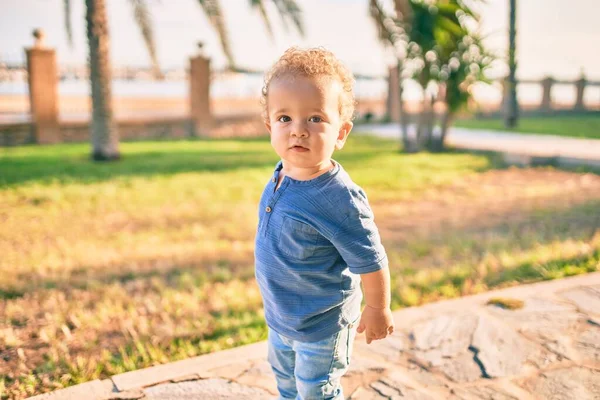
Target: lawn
(580, 126)
(108, 268)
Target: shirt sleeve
(357, 239)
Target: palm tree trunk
(105, 137)
(438, 144)
(512, 110)
(429, 121)
(437, 141)
(401, 112)
(422, 120)
(404, 14)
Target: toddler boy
(316, 238)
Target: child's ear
(268, 126)
(343, 134)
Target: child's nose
(300, 129)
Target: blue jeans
(311, 371)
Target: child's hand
(377, 322)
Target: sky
(555, 37)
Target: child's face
(304, 120)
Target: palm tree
(104, 134)
(432, 35)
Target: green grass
(579, 126)
(108, 268)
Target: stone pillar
(546, 104)
(200, 94)
(43, 91)
(580, 87)
(393, 100)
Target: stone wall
(176, 128)
(238, 126)
(16, 134)
(247, 125)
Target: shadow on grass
(553, 269)
(463, 260)
(169, 274)
(70, 163)
(467, 245)
(497, 161)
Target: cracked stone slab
(441, 338)
(432, 358)
(260, 375)
(550, 323)
(587, 299)
(126, 395)
(461, 368)
(362, 393)
(564, 347)
(449, 333)
(566, 383)
(390, 348)
(423, 376)
(200, 365)
(190, 377)
(93, 389)
(411, 394)
(588, 344)
(209, 389)
(389, 389)
(541, 356)
(232, 370)
(543, 317)
(361, 372)
(499, 349)
(385, 389)
(400, 386)
(481, 393)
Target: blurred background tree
(436, 43)
(104, 133)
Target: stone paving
(465, 348)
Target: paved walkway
(520, 148)
(457, 349)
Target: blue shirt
(313, 238)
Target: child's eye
(315, 119)
(284, 118)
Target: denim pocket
(343, 349)
(350, 341)
(297, 239)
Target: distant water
(243, 87)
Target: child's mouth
(299, 148)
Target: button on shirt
(314, 238)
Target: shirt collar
(321, 178)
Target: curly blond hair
(313, 62)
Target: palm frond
(68, 25)
(289, 9)
(143, 20)
(212, 9)
(385, 30)
(260, 4)
(453, 27)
